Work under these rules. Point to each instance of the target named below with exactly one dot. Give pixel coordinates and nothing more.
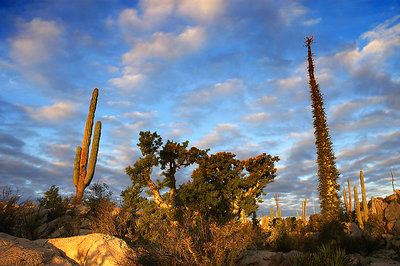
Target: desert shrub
(97, 194)
(192, 239)
(375, 225)
(314, 223)
(8, 207)
(52, 201)
(105, 217)
(26, 220)
(333, 233)
(283, 236)
(325, 255)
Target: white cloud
(266, 101)
(139, 115)
(231, 87)
(201, 10)
(57, 111)
(311, 22)
(167, 45)
(37, 42)
(128, 81)
(222, 134)
(256, 118)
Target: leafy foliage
(221, 188)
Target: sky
(225, 75)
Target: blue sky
(225, 75)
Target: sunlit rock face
(20, 251)
(95, 249)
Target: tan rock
(96, 249)
(20, 251)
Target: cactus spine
(83, 173)
(364, 198)
(357, 207)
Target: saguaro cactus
(364, 198)
(350, 202)
(83, 173)
(357, 207)
(345, 201)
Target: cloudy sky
(225, 75)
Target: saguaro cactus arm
(93, 154)
(76, 165)
(364, 197)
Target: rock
(85, 224)
(96, 249)
(353, 230)
(85, 231)
(81, 210)
(396, 228)
(20, 251)
(391, 198)
(392, 212)
(380, 205)
(255, 257)
(46, 229)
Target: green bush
(52, 201)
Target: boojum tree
(328, 174)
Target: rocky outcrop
(93, 249)
(96, 249)
(20, 251)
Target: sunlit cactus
(350, 202)
(358, 211)
(345, 201)
(364, 198)
(83, 173)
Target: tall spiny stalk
(328, 174)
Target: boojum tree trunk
(83, 173)
(328, 174)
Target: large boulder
(20, 251)
(96, 249)
(392, 212)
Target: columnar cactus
(83, 173)
(305, 210)
(364, 198)
(350, 202)
(271, 214)
(345, 201)
(357, 207)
